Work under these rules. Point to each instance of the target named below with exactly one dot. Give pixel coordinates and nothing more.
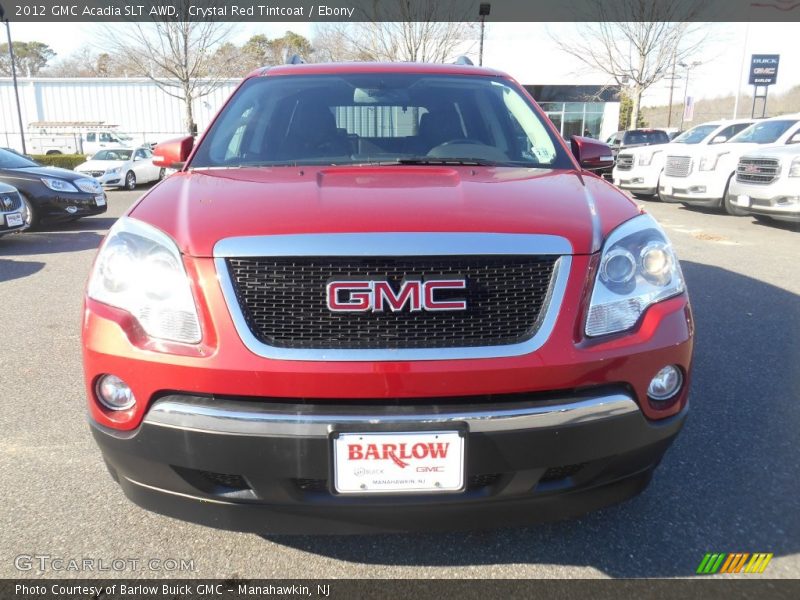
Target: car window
(91, 137)
(764, 132)
(139, 154)
(356, 118)
(112, 155)
(645, 137)
(12, 160)
(105, 137)
(695, 135)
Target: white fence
(137, 106)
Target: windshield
(12, 160)
(113, 155)
(765, 132)
(695, 135)
(387, 118)
(634, 137)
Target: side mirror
(591, 154)
(136, 158)
(719, 139)
(173, 153)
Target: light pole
(14, 77)
(483, 11)
(688, 67)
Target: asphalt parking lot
(729, 484)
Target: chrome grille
(757, 170)
(9, 202)
(283, 300)
(625, 162)
(92, 173)
(678, 166)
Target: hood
(777, 151)
(99, 165)
(37, 172)
(706, 149)
(199, 208)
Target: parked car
(122, 167)
(50, 194)
(12, 218)
(767, 183)
(319, 325)
(638, 170)
(701, 176)
(633, 138)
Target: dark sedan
(51, 194)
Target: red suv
(384, 297)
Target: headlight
(794, 170)
(59, 185)
(113, 171)
(90, 186)
(637, 269)
(140, 270)
(709, 163)
(646, 158)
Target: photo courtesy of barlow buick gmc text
(399, 299)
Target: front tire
(130, 180)
(727, 205)
(31, 218)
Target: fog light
(114, 393)
(665, 384)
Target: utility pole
(14, 77)
(483, 11)
(741, 72)
(671, 87)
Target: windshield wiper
(426, 160)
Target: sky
(528, 53)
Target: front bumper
(779, 200)
(639, 180)
(700, 188)
(54, 206)
(267, 466)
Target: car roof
(375, 67)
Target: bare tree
(403, 30)
(636, 42)
(178, 56)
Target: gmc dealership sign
(764, 69)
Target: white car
(767, 183)
(638, 170)
(122, 167)
(701, 176)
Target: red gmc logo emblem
(378, 296)
(751, 169)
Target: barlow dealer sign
(764, 69)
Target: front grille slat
(757, 170)
(625, 162)
(284, 301)
(678, 166)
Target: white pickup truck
(638, 170)
(702, 176)
(767, 183)
(76, 138)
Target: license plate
(13, 220)
(398, 462)
(743, 200)
(100, 200)
(667, 190)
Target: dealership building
(140, 107)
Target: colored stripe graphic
(733, 562)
